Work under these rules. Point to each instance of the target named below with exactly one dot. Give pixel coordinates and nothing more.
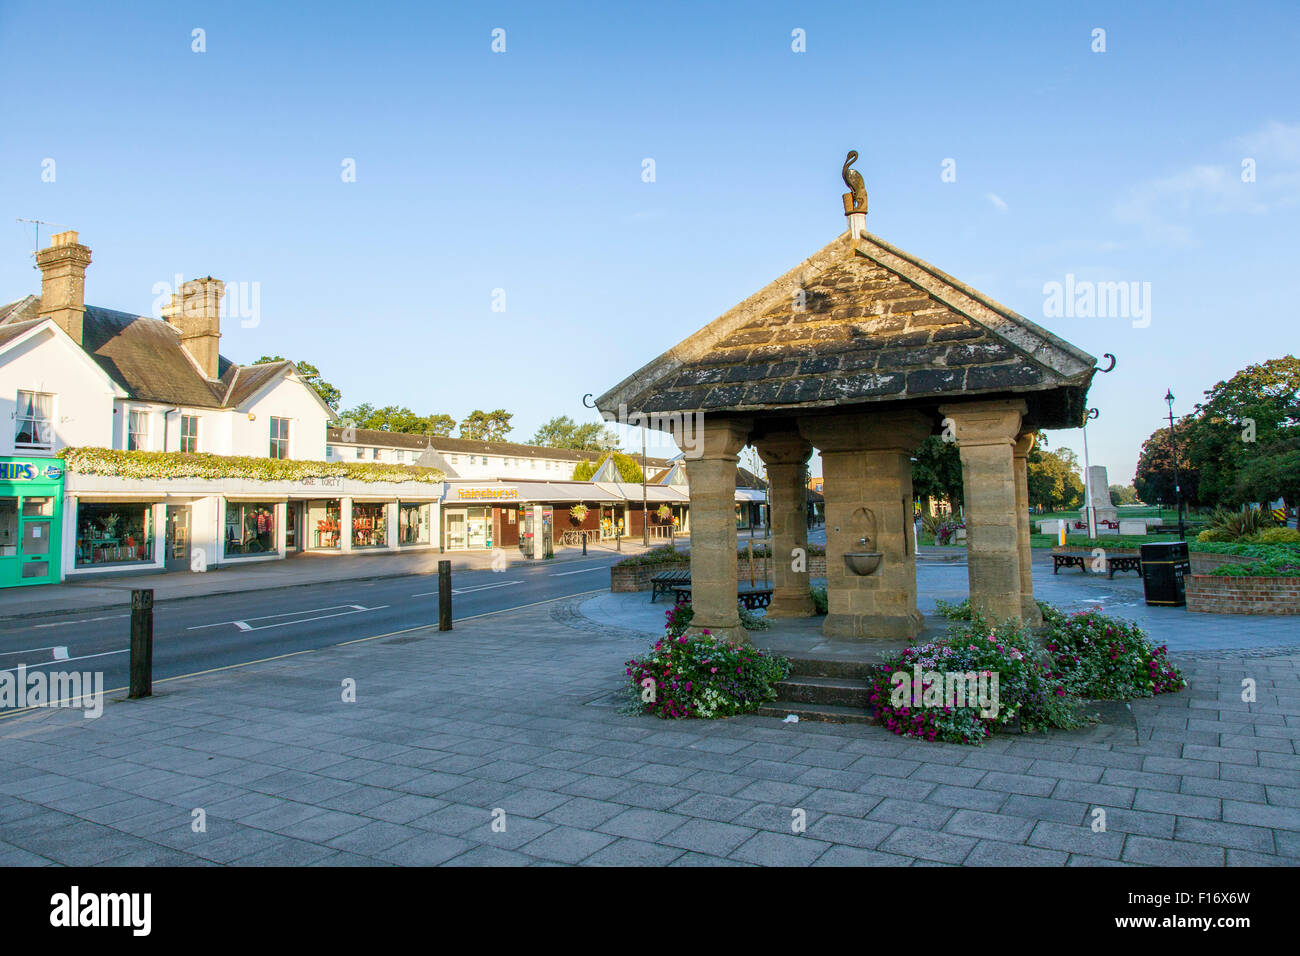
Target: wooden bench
(665, 581)
(1082, 560)
(753, 598)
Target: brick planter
(1215, 594)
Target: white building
(85, 377)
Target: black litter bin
(1164, 567)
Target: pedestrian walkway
(501, 742)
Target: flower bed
(700, 676)
(1243, 594)
(926, 691)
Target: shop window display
(369, 525)
(250, 528)
(114, 533)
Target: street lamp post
(1089, 508)
(1173, 446)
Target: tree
(627, 467)
(310, 375)
(1123, 495)
(562, 432)
(1154, 479)
(1272, 473)
(486, 426)
(936, 473)
(1256, 410)
(1053, 478)
(392, 418)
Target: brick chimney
(63, 282)
(196, 312)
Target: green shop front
(31, 520)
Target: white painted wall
(83, 396)
(288, 398)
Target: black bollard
(444, 595)
(141, 643)
(584, 545)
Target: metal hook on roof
(1109, 367)
(587, 404)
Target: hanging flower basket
(663, 512)
(578, 514)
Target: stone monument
(1097, 481)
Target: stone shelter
(862, 351)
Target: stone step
(830, 713)
(843, 691)
(829, 667)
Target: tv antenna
(37, 223)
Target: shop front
(115, 534)
(31, 521)
(250, 530)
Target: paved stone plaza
(516, 711)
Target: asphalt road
(199, 634)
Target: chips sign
(28, 471)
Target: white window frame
(18, 404)
(274, 441)
(137, 440)
(180, 439)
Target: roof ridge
(1080, 356)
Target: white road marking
(562, 574)
(483, 587)
(476, 587)
(244, 624)
(60, 653)
(84, 657)
(84, 620)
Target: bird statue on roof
(856, 199)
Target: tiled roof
(862, 323)
(145, 357)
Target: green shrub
(1274, 568)
(702, 676)
(1017, 686)
(1103, 658)
(1276, 536)
(960, 611)
(1088, 657)
(661, 555)
(819, 599)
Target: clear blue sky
(522, 171)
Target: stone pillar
(866, 464)
(1029, 610)
(986, 435)
(713, 527)
(784, 456)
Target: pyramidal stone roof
(862, 324)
